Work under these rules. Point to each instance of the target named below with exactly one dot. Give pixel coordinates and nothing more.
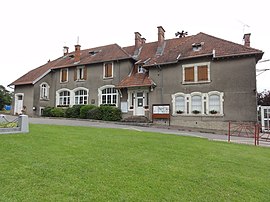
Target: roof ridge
(231, 42)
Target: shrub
(85, 109)
(94, 113)
(57, 112)
(47, 111)
(73, 112)
(110, 113)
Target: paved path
(151, 128)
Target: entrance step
(136, 119)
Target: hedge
(104, 112)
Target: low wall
(22, 125)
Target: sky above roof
(33, 32)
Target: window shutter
(85, 73)
(203, 73)
(64, 75)
(189, 74)
(75, 74)
(110, 70)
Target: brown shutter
(203, 73)
(75, 74)
(85, 73)
(65, 75)
(189, 74)
(110, 70)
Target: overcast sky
(32, 31)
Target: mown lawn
(62, 163)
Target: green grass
(62, 163)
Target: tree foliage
(5, 97)
(263, 98)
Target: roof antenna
(244, 25)
(181, 34)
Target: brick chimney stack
(77, 57)
(65, 50)
(143, 40)
(138, 40)
(161, 35)
(247, 40)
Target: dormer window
(92, 53)
(197, 46)
(141, 69)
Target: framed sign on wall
(161, 111)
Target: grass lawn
(64, 163)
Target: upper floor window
(141, 69)
(81, 97)
(108, 70)
(80, 73)
(64, 75)
(44, 91)
(196, 73)
(64, 98)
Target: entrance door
(18, 104)
(139, 109)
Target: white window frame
(104, 76)
(100, 95)
(44, 92)
(221, 100)
(71, 95)
(205, 110)
(61, 75)
(195, 72)
(80, 69)
(87, 95)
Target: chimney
(247, 40)
(77, 53)
(138, 40)
(161, 37)
(65, 50)
(161, 40)
(143, 40)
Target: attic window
(92, 53)
(197, 46)
(141, 69)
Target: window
(196, 104)
(108, 95)
(44, 91)
(196, 73)
(180, 104)
(64, 98)
(205, 104)
(141, 69)
(108, 70)
(80, 73)
(64, 75)
(81, 97)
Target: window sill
(44, 99)
(107, 78)
(80, 80)
(195, 82)
(199, 115)
(63, 82)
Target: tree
(263, 98)
(5, 97)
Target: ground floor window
(67, 97)
(81, 97)
(108, 95)
(64, 98)
(198, 103)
